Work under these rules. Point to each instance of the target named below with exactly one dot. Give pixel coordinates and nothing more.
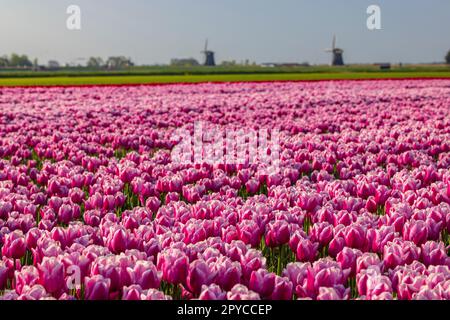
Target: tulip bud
(14, 246)
(51, 274)
(212, 292)
(415, 231)
(132, 292)
(241, 292)
(306, 250)
(96, 288)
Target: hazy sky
(154, 31)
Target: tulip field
(94, 207)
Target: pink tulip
(199, 274)
(249, 232)
(434, 254)
(367, 260)
(277, 234)
(118, 241)
(14, 246)
(322, 232)
(212, 292)
(51, 275)
(132, 292)
(153, 204)
(347, 259)
(241, 292)
(96, 288)
(282, 289)
(252, 186)
(27, 276)
(36, 292)
(174, 265)
(153, 294)
(355, 236)
(415, 231)
(336, 246)
(330, 277)
(146, 275)
(227, 273)
(337, 293)
(306, 250)
(262, 282)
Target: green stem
(280, 257)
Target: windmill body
(210, 60)
(338, 54)
(338, 59)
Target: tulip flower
(367, 260)
(96, 288)
(336, 246)
(118, 241)
(132, 292)
(338, 293)
(434, 254)
(277, 234)
(227, 273)
(199, 274)
(262, 282)
(355, 236)
(250, 233)
(282, 289)
(347, 259)
(212, 292)
(415, 231)
(51, 275)
(241, 292)
(27, 276)
(174, 266)
(14, 245)
(306, 250)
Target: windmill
(209, 56)
(338, 59)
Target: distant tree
(95, 62)
(447, 58)
(4, 61)
(119, 62)
(14, 61)
(20, 61)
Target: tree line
(116, 62)
(23, 61)
(110, 63)
(15, 60)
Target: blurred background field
(171, 74)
